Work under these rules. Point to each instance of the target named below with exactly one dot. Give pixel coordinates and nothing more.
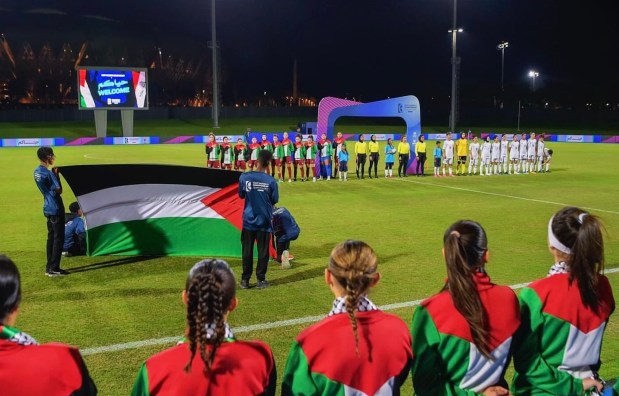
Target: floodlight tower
(215, 103)
(501, 47)
(454, 61)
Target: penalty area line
(505, 195)
(263, 326)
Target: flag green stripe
(172, 236)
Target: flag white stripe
(145, 201)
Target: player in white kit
(531, 151)
(474, 157)
(448, 154)
(486, 147)
(503, 157)
(540, 153)
(523, 153)
(514, 153)
(495, 154)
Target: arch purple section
(405, 107)
(325, 107)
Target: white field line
(262, 326)
(504, 195)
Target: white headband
(554, 242)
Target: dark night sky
(379, 48)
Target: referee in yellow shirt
(404, 152)
(462, 149)
(361, 151)
(373, 147)
(420, 153)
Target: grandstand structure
(37, 67)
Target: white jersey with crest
(514, 150)
(496, 150)
(540, 148)
(474, 149)
(504, 144)
(523, 149)
(448, 148)
(485, 150)
(532, 146)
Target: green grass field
(111, 300)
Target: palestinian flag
(158, 209)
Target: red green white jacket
(27, 368)
(323, 360)
(560, 339)
(447, 362)
(240, 368)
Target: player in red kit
(266, 145)
(287, 149)
(240, 150)
(254, 148)
(299, 157)
(212, 152)
(227, 154)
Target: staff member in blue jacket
(285, 229)
(48, 182)
(260, 192)
(74, 233)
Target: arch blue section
(404, 107)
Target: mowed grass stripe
(502, 195)
(263, 326)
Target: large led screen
(115, 88)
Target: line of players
(287, 154)
(518, 156)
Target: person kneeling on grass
(285, 229)
(210, 361)
(74, 233)
(462, 336)
(27, 368)
(328, 358)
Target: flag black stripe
(84, 179)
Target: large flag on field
(158, 209)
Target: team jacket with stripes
(323, 360)
(447, 362)
(560, 339)
(30, 369)
(239, 368)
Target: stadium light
(533, 75)
(454, 61)
(501, 47)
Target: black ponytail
(581, 232)
(465, 244)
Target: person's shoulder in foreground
(27, 368)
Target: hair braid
(353, 264)
(210, 290)
(192, 322)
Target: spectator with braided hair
(462, 336)
(210, 361)
(330, 359)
